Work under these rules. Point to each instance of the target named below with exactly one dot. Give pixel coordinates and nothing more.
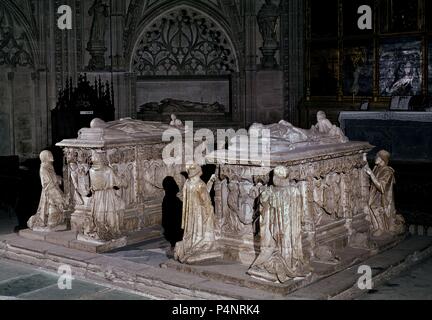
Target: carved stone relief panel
(76, 177)
(184, 42)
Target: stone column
(292, 56)
(270, 95)
(36, 114)
(130, 93)
(118, 13)
(251, 62)
(11, 76)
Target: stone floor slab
(236, 273)
(29, 283)
(79, 290)
(415, 284)
(9, 270)
(342, 284)
(114, 295)
(17, 286)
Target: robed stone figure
(382, 209)
(198, 221)
(99, 11)
(281, 250)
(267, 20)
(50, 213)
(96, 44)
(107, 207)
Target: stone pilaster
(292, 49)
(251, 62)
(118, 13)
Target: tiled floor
(21, 282)
(18, 281)
(414, 284)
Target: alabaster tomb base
(335, 193)
(114, 179)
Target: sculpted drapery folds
(325, 127)
(99, 11)
(107, 208)
(198, 220)
(96, 44)
(284, 135)
(52, 203)
(382, 210)
(281, 253)
(77, 185)
(267, 20)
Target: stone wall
(50, 56)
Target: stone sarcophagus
(114, 179)
(322, 194)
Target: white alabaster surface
(120, 132)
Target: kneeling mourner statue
(50, 214)
(382, 210)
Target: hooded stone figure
(52, 203)
(382, 210)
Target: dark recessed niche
(324, 70)
(324, 18)
(400, 16)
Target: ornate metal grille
(183, 42)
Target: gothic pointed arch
(17, 37)
(184, 40)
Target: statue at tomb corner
(281, 254)
(325, 127)
(107, 208)
(50, 214)
(175, 122)
(96, 44)
(382, 210)
(198, 221)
